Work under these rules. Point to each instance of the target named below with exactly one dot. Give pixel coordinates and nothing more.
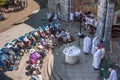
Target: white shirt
(77, 14)
(79, 34)
(48, 15)
(71, 16)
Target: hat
(34, 72)
(32, 50)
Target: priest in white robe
(86, 44)
(95, 43)
(113, 74)
(97, 58)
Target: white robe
(86, 44)
(95, 43)
(113, 75)
(97, 58)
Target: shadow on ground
(38, 19)
(5, 77)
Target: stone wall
(61, 7)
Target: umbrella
(34, 55)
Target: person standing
(71, 16)
(113, 74)
(86, 44)
(95, 43)
(97, 58)
(48, 16)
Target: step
(50, 68)
(54, 72)
(44, 71)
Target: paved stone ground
(13, 33)
(15, 18)
(83, 69)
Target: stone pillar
(64, 10)
(101, 18)
(108, 24)
(105, 21)
(51, 5)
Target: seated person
(47, 30)
(27, 42)
(35, 76)
(4, 58)
(43, 42)
(3, 16)
(36, 35)
(20, 44)
(80, 35)
(57, 26)
(77, 15)
(49, 42)
(68, 37)
(63, 36)
(31, 37)
(39, 46)
(33, 56)
(42, 33)
(58, 37)
(52, 30)
(54, 40)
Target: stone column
(51, 5)
(101, 18)
(64, 9)
(108, 24)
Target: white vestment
(103, 53)
(97, 58)
(86, 44)
(68, 35)
(95, 43)
(113, 75)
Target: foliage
(117, 5)
(2, 2)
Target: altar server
(95, 43)
(113, 74)
(97, 58)
(86, 44)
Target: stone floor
(83, 69)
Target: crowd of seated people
(12, 6)
(38, 43)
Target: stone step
(44, 71)
(54, 72)
(50, 68)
